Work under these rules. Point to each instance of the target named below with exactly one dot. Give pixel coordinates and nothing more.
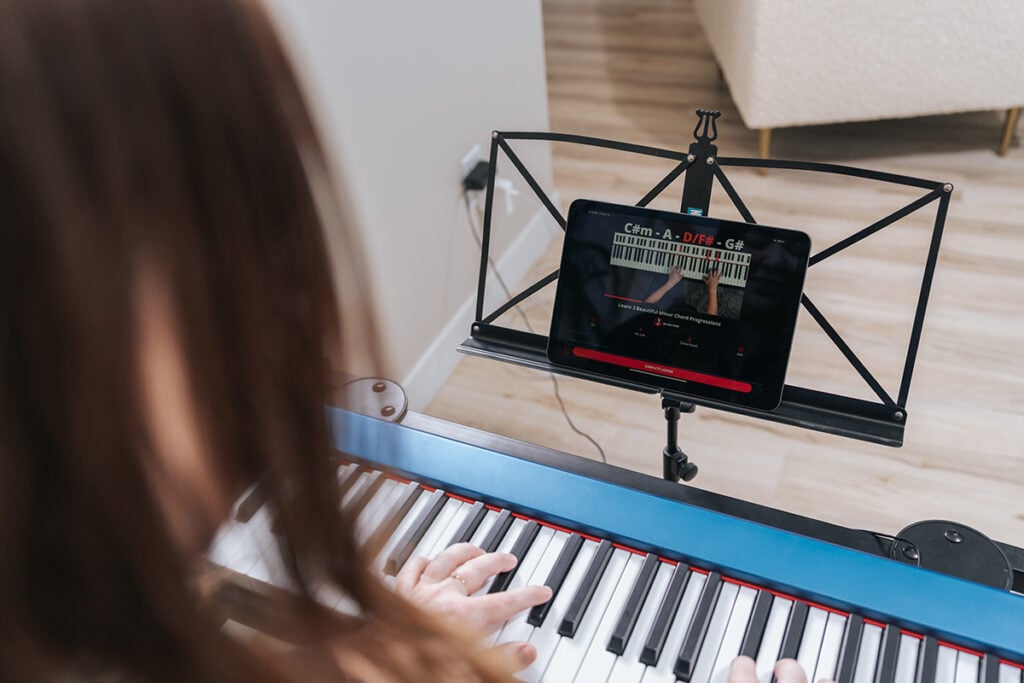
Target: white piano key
(831, 642)
(523, 576)
(546, 638)
(810, 642)
(259, 529)
(867, 658)
(435, 532)
(1009, 674)
(771, 642)
(536, 565)
(708, 653)
(362, 480)
(945, 665)
(598, 662)
(374, 512)
(414, 512)
(229, 543)
(485, 526)
(570, 651)
(628, 668)
(505, 546)
(967, 667)
(663, 672)
(456, 521)
(906, 660)
(733, 638)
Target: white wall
(402, 90)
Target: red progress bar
(667, 371)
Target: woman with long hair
(167, 326)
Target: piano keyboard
(694, 260)
(627, 611)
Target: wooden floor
(635, 71)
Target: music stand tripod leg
(675, 464)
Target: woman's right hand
(743, 670)
(446, 584)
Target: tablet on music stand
(696, 306)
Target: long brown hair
(166, 137)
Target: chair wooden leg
(764, 146)
(1009, 125)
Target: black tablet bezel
(692, 382)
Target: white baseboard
(439, 360)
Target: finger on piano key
(732, 640)
(598, 662)
(545, 637)
(850, 648)
(654, 641)
(469, 524)
(556, 577)
(524, 542)
(756, 626)
(831, 645)
(662, 671)
(414, 533)
(1009, 674)
(967, 667)
(867, 660)
(414, 499)
(771, 642)
(885, 671)
(702, 665)
(906, 660)
(585, 592)
(810, 642)
(628, 668)
(687, 658)
(634, 603)
(945, 665)
(927, 657)
(541, 559)
(497, 531)
(573, 648)
(508, 541)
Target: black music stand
(882, 421)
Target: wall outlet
(470, 159)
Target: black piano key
(885, 671)
(989, 672)
(356, 504)
(850, 649)
(470, 524)
(251, 503)
(581, 600)
(497, 532)
(756, 625)
(666, 612)
(394, 518)
(521, 547)
(928, 655)
(687, 658)
(414, 534)
(556, 578)
(634, 603)
(794, 632)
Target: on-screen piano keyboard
(632, 603)
(694, 260)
